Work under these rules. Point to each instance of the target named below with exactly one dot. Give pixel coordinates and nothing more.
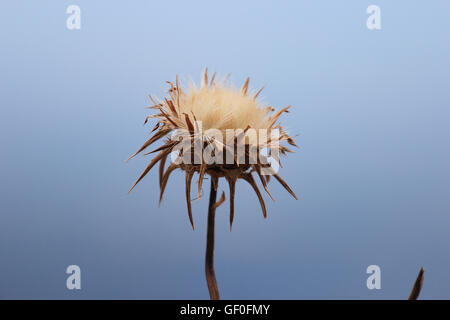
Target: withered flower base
(199, 122)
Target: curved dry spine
(232, 185)
(263, 181)
(189, 175)
(158, 135)
(249, 178)
(200, 179)
(150, 166)
(221, 200)
(285, 185)
(164, 180)
(162, 164)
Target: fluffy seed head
(219, 107)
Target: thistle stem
(209, 257)
(417, 286)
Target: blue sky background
(371, 109)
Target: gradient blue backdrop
(371, 109)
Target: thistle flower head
(220, 131)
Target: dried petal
(189, 175)
(249, 178)
(221, 200)
(232, 185)
(151, 164)
(245, 86)
(158, 135)
(259, 91)
(285, 185)
(263, 181)
(164, 180)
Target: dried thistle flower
(201, 116)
